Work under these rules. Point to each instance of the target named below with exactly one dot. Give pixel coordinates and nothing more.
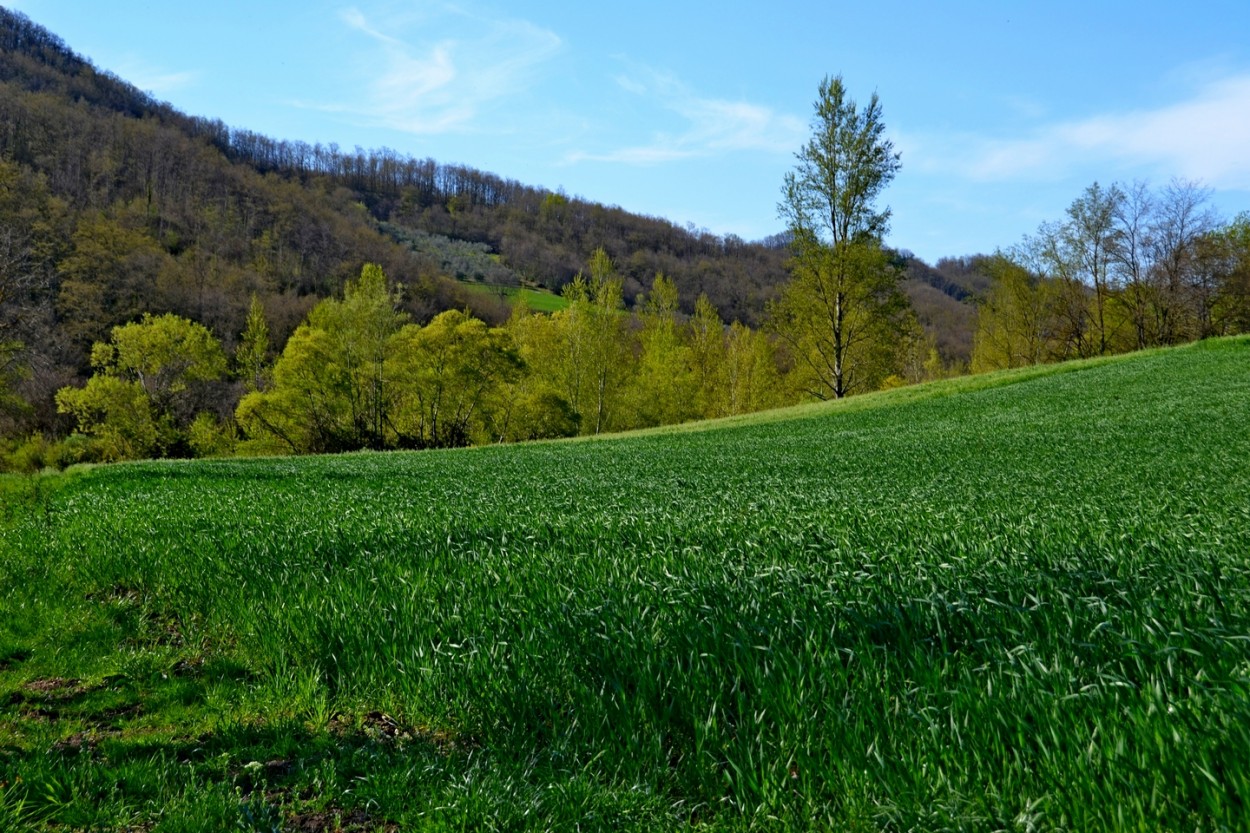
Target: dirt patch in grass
(381, 727)
(42, 700)
(77, 742)
(336, 821)
(53, 688)
(48, 696)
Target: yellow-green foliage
(138, 402)
(356, 375)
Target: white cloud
(1203, 137)
(356, 19)
(631, 85)
(442, 85)
(713, 126)
(151, 79)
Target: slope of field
(1014, 602)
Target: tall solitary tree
(842, 311)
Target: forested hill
(113, 204)
(100, 141)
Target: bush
(37, 452)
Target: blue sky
(1004, 112)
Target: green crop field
(1010, 602)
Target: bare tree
(1088, 238)
(1131, 258)
(1181, 218)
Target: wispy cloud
(153, 80)
(439, 86)
(712, 126)
(1203, 137)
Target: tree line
(1128, 267)
(359, 373)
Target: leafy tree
(166, 354)
(354, 375)
(330, 389)
(573, 331)
(535, 405)
(608, 358)
(361, 326)
(706, 336)
(305, 410)
(1013, 321)
(151, 379)
(752, 382)
(117, 414)
(663, 391)
(208, 436)
(1230, 311)
(449, 375)
(591, 363)
(842, 307)
(534, 411)
(251, 356)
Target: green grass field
(538, 300)
(1012, 602)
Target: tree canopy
(152, 378)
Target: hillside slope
(1011, 601)
(116, 204)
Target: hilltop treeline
(100, 141)
(545, 237)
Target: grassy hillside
(538, 300)
(1012, 602)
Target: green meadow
(1017, 601)
(538, 300)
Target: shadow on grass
(120, 751)
(91, 755)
